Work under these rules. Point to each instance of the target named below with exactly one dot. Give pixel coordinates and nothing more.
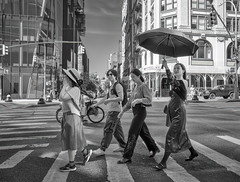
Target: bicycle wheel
(95, 115)
(59, 115)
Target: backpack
(125, 99)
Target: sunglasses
(110, 74)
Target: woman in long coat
(177, 138)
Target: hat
(73, 74)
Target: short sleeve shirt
(115, 106)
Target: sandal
(160, 167)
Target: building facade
(43, 37)
(213, 64)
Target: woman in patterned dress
(177, 138)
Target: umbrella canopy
(167, 42)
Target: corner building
(39, 35)
(213, 63)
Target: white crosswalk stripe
(230, 164)
(174, 170)
(53, 173)
(230, 139)
(15, 159)
(27, 132)
(22, 146)
(116, 173)
(27, 138)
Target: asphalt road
(30, 147)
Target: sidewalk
(28, 103)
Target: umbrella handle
(162, 64)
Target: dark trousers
(112, 127)
(138, 127)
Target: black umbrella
(167, 42)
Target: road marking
(22, 146)
(15, 159)
(53, 173)
(26, 121)
(27, 138)
(24, 124)
(174, 171)
(116, 172)
(230, 164)
(25, 132)
(230, 139)
(25, 127)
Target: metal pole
(44, 72)
(236, 90)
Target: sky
(103, 32)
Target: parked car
(225, 91)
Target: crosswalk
(30, 130)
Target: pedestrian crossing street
(31, 128)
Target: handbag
(165, 109)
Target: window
(199, 22)
(168, 4)
(230, 50)
(204, 51)
(145, 57)
(231, 24)
(230, 7)
(151, 58)
(169, 22)
(200, 4)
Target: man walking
(113, 123)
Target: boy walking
(113, 123)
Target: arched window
(230, 50)
(204, 51)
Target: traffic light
(1, 49)
(6, 50)
(83, 50)
(209, 22)
(213, 16)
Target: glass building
(34, 31)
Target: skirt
(72, 134)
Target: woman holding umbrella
(177, 138)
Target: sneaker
(87, 156)
(99, 152)
(120, 149)
(68, 168)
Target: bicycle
(94, 114)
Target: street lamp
(236, 92)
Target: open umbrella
(167, 42)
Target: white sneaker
(120, 149)
(99, 152)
